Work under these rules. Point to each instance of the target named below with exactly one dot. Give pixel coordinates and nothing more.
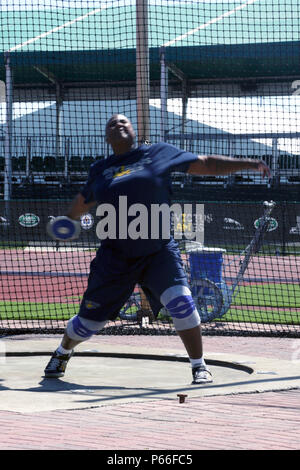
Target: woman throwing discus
(141, 176)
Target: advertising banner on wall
(215, 223)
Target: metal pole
(284, 225)
(142, 71)
(58, 119)
(28, 157)
(67, 155)
(163, 94)
(8, 129)
(275, 161)
(184, 111)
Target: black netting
(210, 77)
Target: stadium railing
(41, 162)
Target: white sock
(197, 362)
(63, 351)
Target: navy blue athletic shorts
(113, 278)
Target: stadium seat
(282, 162)
(22, 163)
(15, 164)
(60, 164)
(87, 162)
(37, 164)
(50, 163)
(75, 164)
(267, 158)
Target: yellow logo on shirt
(122, 172)
(90, 304)
(114, 172)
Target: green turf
(9, 245)
(261, 303)
(265, 250)
(275, 303)
(37, 310)
(275, 316)
(269, 295)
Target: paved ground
(124, 399)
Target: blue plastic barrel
(206, 263)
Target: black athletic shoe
(57, 365)
(201, 375)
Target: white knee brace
(179, 302)
(81, 329)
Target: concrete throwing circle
(95, 379)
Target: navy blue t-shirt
(141, 176)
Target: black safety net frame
(210, 77)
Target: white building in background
(82, 125)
